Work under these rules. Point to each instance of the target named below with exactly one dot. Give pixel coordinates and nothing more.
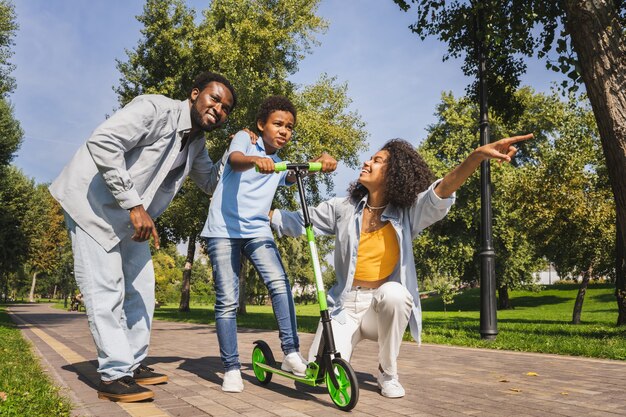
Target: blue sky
(66, 49)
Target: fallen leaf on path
(532, 374)
(504, 380)
(515, 389)
(565, 393)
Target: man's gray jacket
(127, 162)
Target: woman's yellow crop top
(378, 254)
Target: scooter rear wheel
(262, 354)
(346, 393)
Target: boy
(238, 223)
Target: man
(123, 177)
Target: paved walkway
(439, 380)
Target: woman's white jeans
(379, 314)
(118, 291)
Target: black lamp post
(487, 255)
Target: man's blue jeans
(225, 255)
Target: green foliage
(448, 247)
(552, 203)
(14, 188)
(446, 286)
(8, 28)
(11, 133)
(16, 192)
(511, 30)
(163, 61)
(166, 273)
(168, 264)
(570, 206)
(25, 389)
(257, 44)
(48, 239)
(202, 291)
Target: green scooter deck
(277, 371)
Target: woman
(375, 295)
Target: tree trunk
(185, 291)
(504, 302)
(598, 39)
(243, 275)
(31, 297)
(580, 297)
(6, 287)
(620, 278)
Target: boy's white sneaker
(389, 386)
(294, 363)
(232, 381)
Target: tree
(15, 195)
(256, 44)
(588, 37)
(11, 134)
(12, 244)
(447, 248)
(183, 221)
(551, 203)
(8, 27)
(573, 224)
(47, 236)
(446, 286)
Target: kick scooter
(329, 367)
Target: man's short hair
(202, 80)
(272, 104)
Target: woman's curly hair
(406, 176)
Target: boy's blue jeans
(225, 255)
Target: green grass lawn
(540, 321)
(24, 388)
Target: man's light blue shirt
(242, 200)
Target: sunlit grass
(540, 322)
(25, 390)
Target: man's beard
(196, 117)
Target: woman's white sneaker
(390, 386)
(294, 363)
(232, 381)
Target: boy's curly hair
(406, 176)
(272, 104)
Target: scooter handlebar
(305, 166)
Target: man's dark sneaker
(124, 390)
(146, 376)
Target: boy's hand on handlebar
(264, 165)
(329, 164)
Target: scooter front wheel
(345, 393)
(262, 354)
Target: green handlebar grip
(280, 166)
(306, 166)
(315, 166)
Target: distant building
(547, 277)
